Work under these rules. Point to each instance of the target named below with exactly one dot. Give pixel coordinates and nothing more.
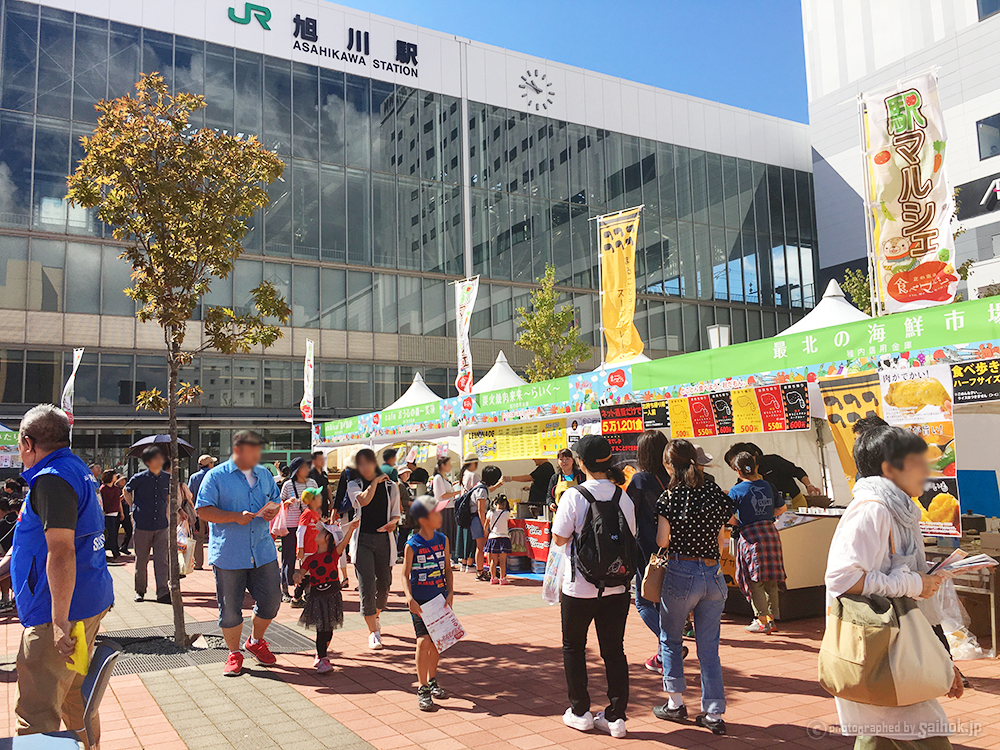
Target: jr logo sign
(251, 11)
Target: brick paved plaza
(507, 679)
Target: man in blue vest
(58, 571)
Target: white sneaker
(465, 568)
(584, 723)
(615, 728)
(375, 641)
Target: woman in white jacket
(377, 500)
(892, 467)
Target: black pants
(402, 535)
(288, 549)
(608, 613)
(323, 642)
(127, 528)
(111, 535)
(450, 529)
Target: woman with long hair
(567, 475)
(878, 550)
(692, 513)
(291, 496)
(443, 489)
(376, 500)
(582, 603)
(760, 567)
(645, 489)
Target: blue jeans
(648, 611)
(692, 586)
(231, 586)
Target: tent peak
(833, 290)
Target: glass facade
(366, 228)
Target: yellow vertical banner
(618, 234)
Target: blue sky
(747, 53)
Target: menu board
(622, 425)
(527, 440)
(746, 413)
(772, 408)
(702, 416)
(655, 415)
(919, 399)
(977, 381)
(722, 406)
(680, 418)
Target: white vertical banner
(66, 404)
(910, 203)
(465, 300)
(306, 405)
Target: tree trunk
(180, 635)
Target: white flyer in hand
(267, 506)
(442, 625)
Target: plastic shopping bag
(554, 569)
(185, 549)
(279, 524)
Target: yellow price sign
(746, 412)
(680, 418)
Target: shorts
(419, 627)
(476, 529)
(264, 585)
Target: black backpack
(466, 507)
(605, 550)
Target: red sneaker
(234, 665)
(260, 651)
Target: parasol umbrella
(184, 448)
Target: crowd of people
(671, 518)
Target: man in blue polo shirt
(238, 499)
(148, 492)
(58, 571)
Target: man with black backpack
(596, 519)
(470, 517)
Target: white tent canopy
(418, 393)
(832, 310)
(500, 376)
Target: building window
(988, 130)
(988, 8)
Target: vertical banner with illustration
(69, 390)
(466, 292)
(920, 399)
(306, 405)
(911, 247)
(617, 235)
(846, 400)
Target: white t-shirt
(251, 479)
(496, 523)
(569, 520)
(469, 480)
(440, 487)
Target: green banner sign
(339, 428)
(410, 415)
(8, 438)
(526, 396)
(946, 325)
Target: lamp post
(718, 336)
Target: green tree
(180, 196)
(855, 283)
(549, 333)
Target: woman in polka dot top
(692, 512)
